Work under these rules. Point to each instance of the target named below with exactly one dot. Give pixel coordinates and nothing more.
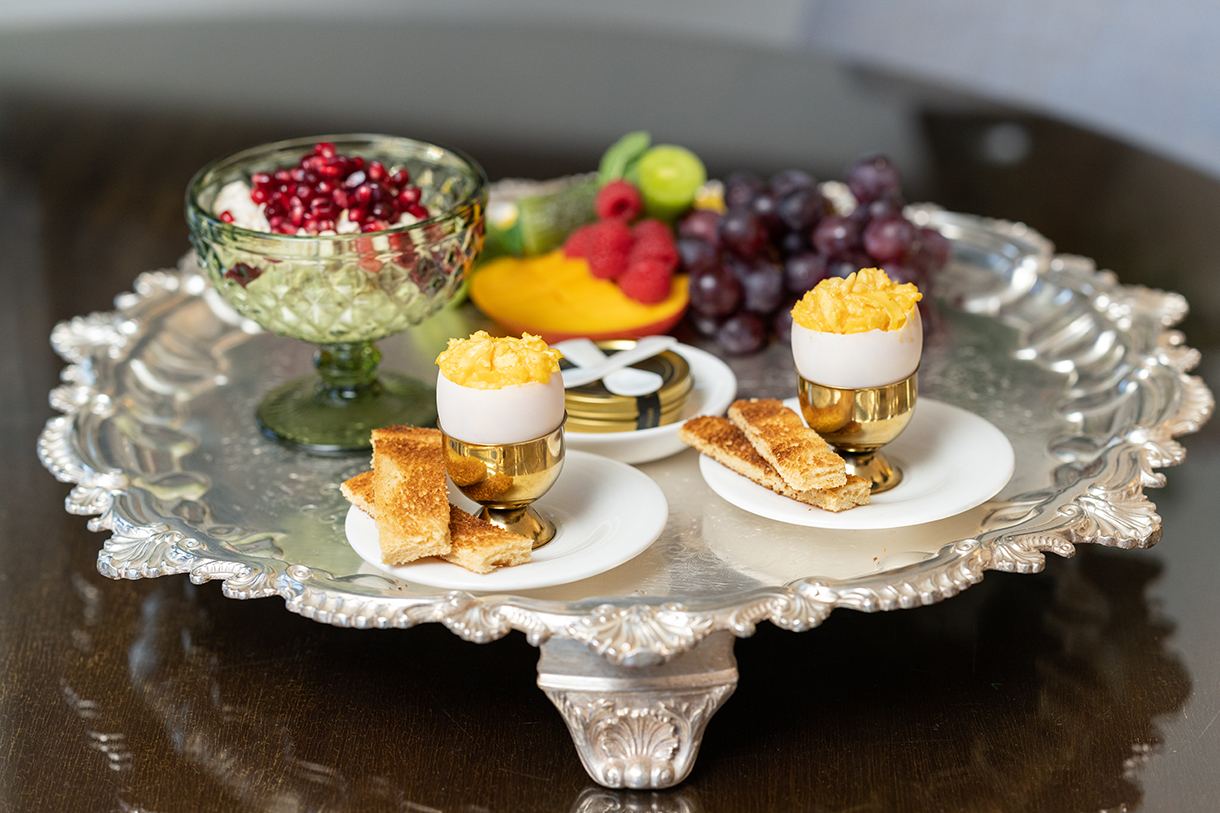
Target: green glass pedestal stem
(336, 411)
(348, 370)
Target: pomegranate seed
(226, 216)
(377, 192)
(409, 196)
(243, 274)
(312, 196)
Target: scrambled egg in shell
(865, 300)
(487, 363)
(859, 332)
(499, 390)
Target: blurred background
(1053, 108)
(758, 83)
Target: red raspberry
(654, 241)
(651, 229)
(647, 281)
(618, 199)
(577, 244)
(609, 247)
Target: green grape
(669, 176)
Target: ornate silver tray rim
(1107, 507)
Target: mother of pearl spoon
(614, 371)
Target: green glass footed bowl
(343, 291)
(343, 287)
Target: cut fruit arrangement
(745, 250)
(614, 278)
(637, 178)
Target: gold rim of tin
(592, 425)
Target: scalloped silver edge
(1111, 509)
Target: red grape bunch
(777, 239)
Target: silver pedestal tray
(1084, 376)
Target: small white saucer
(606, 513)
(952, 460)
(714, 389)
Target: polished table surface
(1093, 686)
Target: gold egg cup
(506, 478)
(858, 422)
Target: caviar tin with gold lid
(593, 408)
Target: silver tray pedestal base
(638, 727)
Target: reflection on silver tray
(1083, 375)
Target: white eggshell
(507, 415)
(855, 360)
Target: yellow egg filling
(484, 362)
(863, 301)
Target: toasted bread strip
(409, 475)
(799, 454)
(720, 440)
(359, 492)
(482, 547)
(477, 545)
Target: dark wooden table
(1094, 686)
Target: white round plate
(606, 513)
(714, 389)
(951, 460)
